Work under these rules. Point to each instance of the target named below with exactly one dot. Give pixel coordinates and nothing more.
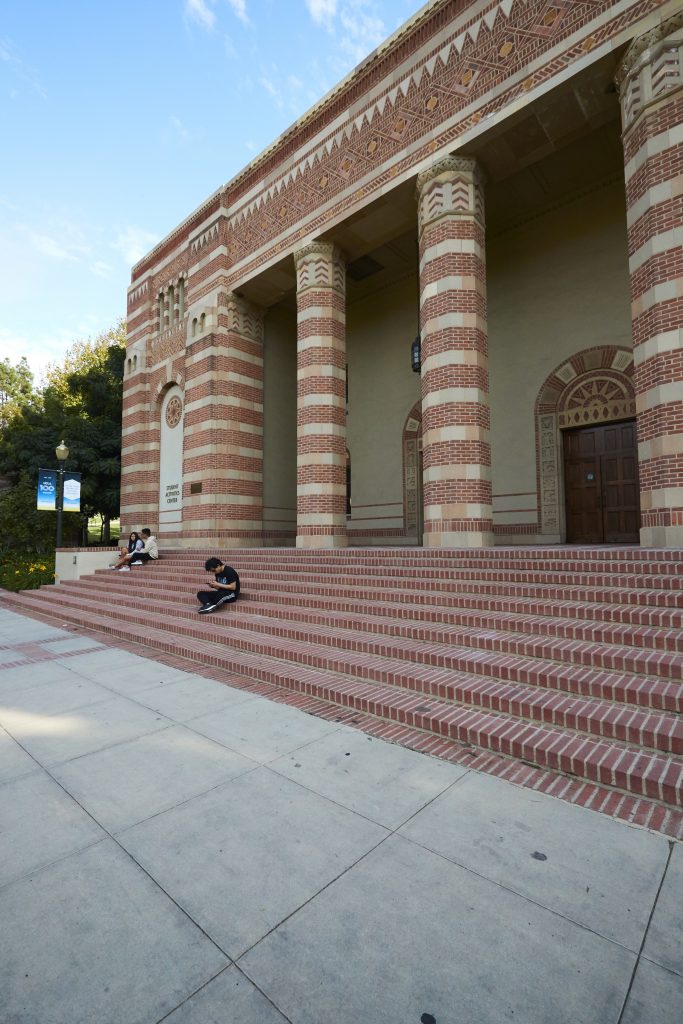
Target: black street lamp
(62, 453)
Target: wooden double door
(601, 484)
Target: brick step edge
(488, 694)
(320, 583)
(648, 691)
(635, 580)
(609, 554)
(589, 613)
(621, 766)
(637, 811)
(569, 650)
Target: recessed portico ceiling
(565, 143)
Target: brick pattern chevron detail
(556, 668)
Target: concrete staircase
(569, 661)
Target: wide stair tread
(449, 676)
(562, 616)
(566, 664)
(664, 610)
(463, 592)
(653, 775)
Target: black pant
(216, 596)
(142, 556)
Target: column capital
(651, 67)
(450, 187)
(320, 265)
(447, 168)
(244, 318)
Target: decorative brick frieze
(455, 385)
(650, 79)
(321, 397)
(224, 426)
(452, 67)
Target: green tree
(16, 387)
(80, 404)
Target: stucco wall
(382, 391)
(556, 285)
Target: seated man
(226, 588)
(149, 552)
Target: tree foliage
(80, 404)
(16, 387)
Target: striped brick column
(650, 81)
(455, 380)
(321, 396)
(223, 447)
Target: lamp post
(62, 453)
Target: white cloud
(322, 11)
(66, 243)
(22, 70)
(179, 128)
(364, 30)
(272, 90)
(199, 11)
(48, 246)
(240, 9)
(102, 269)
(133, 243)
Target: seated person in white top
(149, 552)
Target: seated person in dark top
(225, 589)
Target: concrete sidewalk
(174, 849)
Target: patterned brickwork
(223, 457)
(455, 383)
(321, 397)
(651, 90)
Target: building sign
(171, 496)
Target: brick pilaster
(139, 501)
(223, 447)
(455, 381)
(321, 396)
(650, 80)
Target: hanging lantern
(416, 355)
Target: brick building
(503, 177)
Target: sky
(118, 120)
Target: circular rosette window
(174, 412)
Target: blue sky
(117, 120)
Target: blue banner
(47, 489)
(72, 492)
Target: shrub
(25, 571)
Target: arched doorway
(587, 450)
(413, 504)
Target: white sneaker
(124, 568)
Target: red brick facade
(445, 83)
